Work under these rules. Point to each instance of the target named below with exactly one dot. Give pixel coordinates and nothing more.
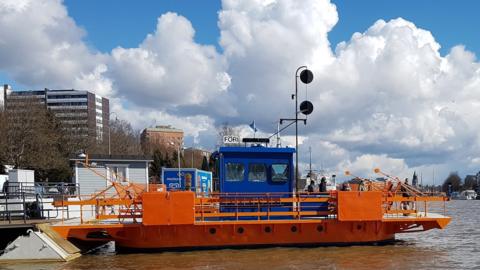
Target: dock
(26, 213)
(34, 240)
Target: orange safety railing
(400, 199)
(265, 206)
(118, 201)
(400, 204)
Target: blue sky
(451, 22)
(111, 23)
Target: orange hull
(231, 234)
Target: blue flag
(252, 125)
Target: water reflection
(397, 255)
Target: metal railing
(44, 190)
(24, 201)
(21, 207)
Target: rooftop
(99, 157)
(12, 92)
(168, 128)
(255, 149)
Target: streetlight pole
(193, 144)
(109, 150)
(178, 158)
(296, 126)
(109, 144)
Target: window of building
(257, 172)
(66, 96)
(279, 172)
(68, 104)
(234, 171)
(117, 173)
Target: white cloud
(169, 69)
(364, 165)
(40, 45)
(95, 80)
(389, 92)
(14, 5)
(264, 42)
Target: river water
(456, 247)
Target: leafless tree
(124, 140)
(226, 130)
(32, 138)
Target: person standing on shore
(5, 188)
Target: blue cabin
(256, 169)
(259, 170)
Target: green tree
(175, 159)
(213, 165)
(168, 161)
(156, 165)
(205, 164)
(454, 180)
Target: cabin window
(279, 172)
(257, 172)
(117, 173)
(235, 171)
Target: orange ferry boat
(256, 205)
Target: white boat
(467, 195)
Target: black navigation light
(306, 76)
(306, 107)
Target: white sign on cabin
(231, 139)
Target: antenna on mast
(278, 135)
(310, 150)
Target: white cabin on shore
(105, 168)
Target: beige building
(162, 137)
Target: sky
(396, 83)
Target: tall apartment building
(81, 112)
(163, 137)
